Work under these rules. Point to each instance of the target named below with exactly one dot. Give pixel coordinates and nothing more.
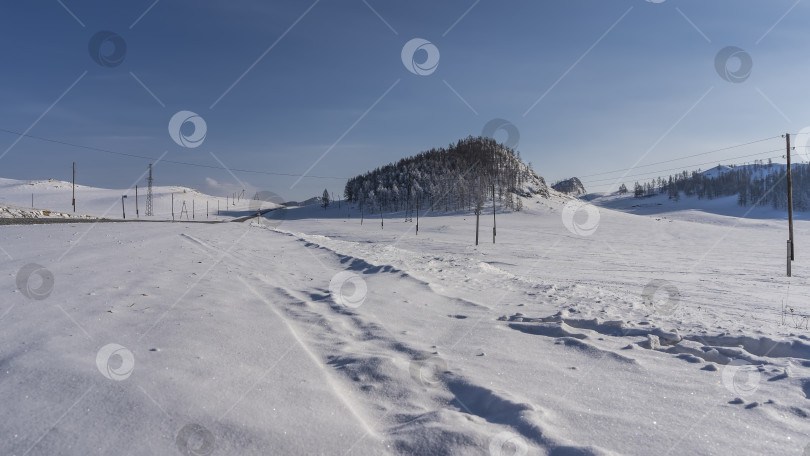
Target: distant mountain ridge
(462, 176)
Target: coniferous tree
(638, 191)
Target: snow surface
(311, 333)
(717, 210)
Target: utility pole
(790, 198)
(478, 206)
(477, 216)
(74, 189)
(417, 215)
(493, 212)
(137, 214)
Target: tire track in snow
(315, 360)
(282, 293)
(374, 360)
(455, 395)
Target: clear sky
(321, 87)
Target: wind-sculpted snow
(788, 358)
(320, 335)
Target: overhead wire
(656, 173)
(685, 157)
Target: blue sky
(620, 84)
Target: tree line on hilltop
(462, 176)
(760, 184)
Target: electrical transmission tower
(149, 193)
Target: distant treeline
(459, 177)
(760, 184)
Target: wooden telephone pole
(493, 212)
(790, 199)
(74, 189)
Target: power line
(685, 157)
(652, 178)
(654, 173)
(175, 162)
(641, 177)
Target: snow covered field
(603, 330)
(55, 198)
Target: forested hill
(462, 176)
(757, 184)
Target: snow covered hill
(571, 186)
(582, 330)
(459, 177)
(53, 198)
(758, 184)
(753, 170)
(694, 209)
